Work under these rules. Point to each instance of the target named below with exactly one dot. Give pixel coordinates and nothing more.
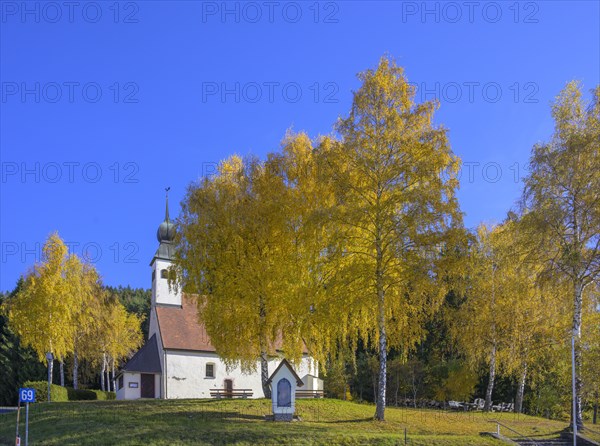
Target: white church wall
(157, 385)
(127, 392)
(186, 375)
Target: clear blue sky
(103, 106)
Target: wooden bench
(309, 394)
(237, 393)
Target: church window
(284, 393)
(164, 274)
(210, 370)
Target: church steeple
(166, 230)
(166, 234)
(162, 262)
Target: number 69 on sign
(27, 395)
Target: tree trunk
(490, 387)
(576, 355)
(264, 359)
(102, 386)
(113, 380)
(521, 391)
(107, 375)
(75, 370)
(62, 372)
(50, 372)
(380, 407)
(264, 373)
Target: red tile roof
(180, 328)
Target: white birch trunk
(380, 406)
(576, 355)
(490, 387)
(521, 390)
(264, 359)
(113, 381)
(102, 375)
(50, 373)
(75, 370)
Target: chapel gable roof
(146, 359)
(284, 363)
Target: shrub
(57, 393)
(81, 394)
(101, 395)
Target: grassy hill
(326, 422)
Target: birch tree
(42, 312)
(233, 253)
(481, 323)
(124, 336)
(394, 179)
(83, 285)
(536, 323)
(562, 201)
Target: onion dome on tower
(166, 235)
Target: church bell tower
(162, 294)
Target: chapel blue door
(284, 393)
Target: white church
(178, 359)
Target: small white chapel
(178, 359)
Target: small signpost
(26, 395)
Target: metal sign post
(26, 424)
(18, 440)
(26, 395)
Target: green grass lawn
(326, 422)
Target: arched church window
(284, 393)
(164, 274)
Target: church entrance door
(228, 388)
(148, 385)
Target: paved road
(563, 441)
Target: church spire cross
(167, 189)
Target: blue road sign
(27, 395)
